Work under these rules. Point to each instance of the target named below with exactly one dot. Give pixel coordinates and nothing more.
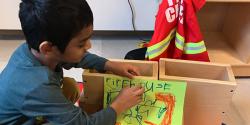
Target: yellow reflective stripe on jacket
(194, 48)
(189, 48)
(157, 49)
(179, 41)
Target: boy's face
(78, 46)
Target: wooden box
(92, 100)
(210, 87)
(225, 25)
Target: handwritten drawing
(162, 103)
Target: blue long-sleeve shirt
(31, 89)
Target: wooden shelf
(226, 30)
(220, 51)
(238, 112)
(232, 116)
(205, 81)
(241, 99)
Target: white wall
(116, 14)
(9, 14)
(108, 14)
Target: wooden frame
(240, 111)
(226, 28)
(92, 100)
(210, 88)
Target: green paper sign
(162, 104)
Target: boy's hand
(127, 98)
(122, 69)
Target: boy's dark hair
(55, 21)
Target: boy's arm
(48, 101)
(92, 61)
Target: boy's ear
(45, 47)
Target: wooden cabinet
(210, 88)
(226, 28)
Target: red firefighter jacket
(177, 34)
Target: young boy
(58, 36)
